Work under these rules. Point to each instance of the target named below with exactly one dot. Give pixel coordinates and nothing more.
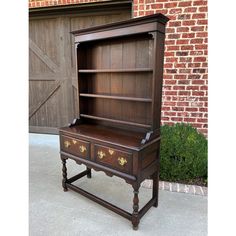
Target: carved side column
(64, 174)
(135, 215)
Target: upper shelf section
(155, 22)
(117, 70)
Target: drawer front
(113, 158)
(75, 146)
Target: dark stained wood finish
(120, 69)
(112, 157)
(75, 146)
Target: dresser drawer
(75, 146)
(114, 158)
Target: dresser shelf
(115, 121)
(115, 97)
(115, 70)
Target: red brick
(187, 47)
(198, 81)
(183, 104)
(199, 59)
(189, 22)
(175, 11)
(179, 87)
(197, 28)
(185, 59)
(183, 81)
(202, 9)
(169, 113)
(170, 30)
(190, 120)
(179, 119)
(204, 87)
(202, 22)
(173, 36)
(197, 93)
(182, 53)
(194, 76)
(192, 65)
(173, 48)
(157, 6)
(185, 71)
(165, 118)
(201, 46)
(202, 34)
(191, 109)
(169, 103)
(171, 81)
(168, 65)
(174, 23)
(185, 4)
(202, 120)
(194, 53)
(184, 93)
(184, 17)
(169, 42)
(183, 29)
(169, 54)
(199, 15)
(170, 5)
(199, 3)
(180, 77)
(194, 41)
(179, 65)
(182, 41)
(188, 35)
(171, 59)
(193, 87)
(190, 9)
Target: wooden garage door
(53, 94)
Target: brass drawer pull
(82, 148)
(67, 144)
(122, 161)
(101, 154)
(111, 151)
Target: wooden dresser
(120, 70)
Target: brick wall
(185, 87)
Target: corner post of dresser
(135, 215)
(137, 172)
(64, 174)
(155, 178)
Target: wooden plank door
(53, 89)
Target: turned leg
(155, 188)
(89, 173)
(64, 174)
(135, 215)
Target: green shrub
(183, 153)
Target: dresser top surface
(114, 136)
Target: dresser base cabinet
(122, 159)
(119, 70)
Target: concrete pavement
(54, 212)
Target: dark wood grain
(120, 70)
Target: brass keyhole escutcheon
(82, 148)
(122, 161)
(74, 141)
(101, 154)
(67, 144)
(111, 152)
